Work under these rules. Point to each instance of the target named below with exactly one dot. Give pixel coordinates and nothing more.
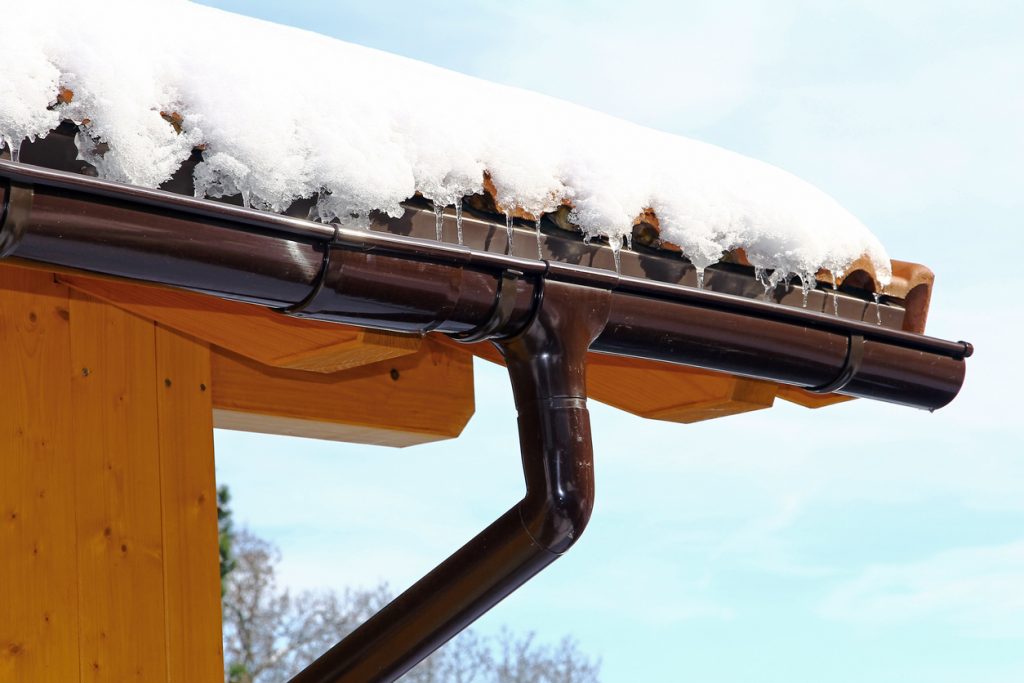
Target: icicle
(835, 296)
(700, 277)
(508, 230)
(807, 283)
(615, 242)
(878, 306)
(762, 276)
(540, 252)
(458, 218)
(246, 198)
(629, 240)
(15, 149)
(438, 219)
(778, 277)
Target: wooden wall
(108, 526)
(108, 511)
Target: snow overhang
(277, 115)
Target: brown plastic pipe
(546, 363)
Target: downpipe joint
(547, 365)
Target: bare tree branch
(269, 635)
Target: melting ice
(458, 219)
(509, 231)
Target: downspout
(546, 363)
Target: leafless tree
(269, 634)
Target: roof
(695, 200)
(279, 115)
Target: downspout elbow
(560, 483)
(556, 523)
(546, 364)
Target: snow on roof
(282, 113)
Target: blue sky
(859, 542)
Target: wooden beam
(809, 399)
(117, 472)
(38, 559)
(108, 520)
(662, 391)
(188, 500)
(252, 331)
(407, 400)
(673, 393)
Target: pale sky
(859, 542)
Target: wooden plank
(188, 497)
(38, 564)
(252, 331)
(809, 399)
(662, 391)
(408, 400)
(673, 393)
(117, 472)
(365, 347)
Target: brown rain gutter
(543, 316)
(388, 281)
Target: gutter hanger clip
(504, 307)
(854, 356)
(296, 309)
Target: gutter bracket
(501, 316)
(854, 356)
(14, 216)
(547, 365)
(296, 309)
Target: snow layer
(283, 113)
